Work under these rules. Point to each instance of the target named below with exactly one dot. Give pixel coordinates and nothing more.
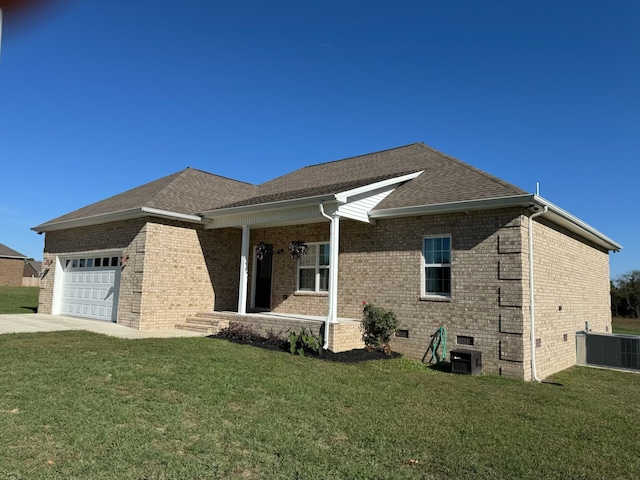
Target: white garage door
(90, 287)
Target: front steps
(206, 323)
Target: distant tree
(625, 295)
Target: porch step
(204, 323)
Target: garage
(90, 287)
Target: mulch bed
(245, 336)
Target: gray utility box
(466, 362)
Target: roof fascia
(554, 214)
(573, 223)
(115, 217)
(449, 207)
(267, 207)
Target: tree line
(625, 295)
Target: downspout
(333, 274)
(534, 376)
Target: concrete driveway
(33, 322)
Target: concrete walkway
(33, 322)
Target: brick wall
(381, 264)
(116, 236)
(571, 287)
(170, 271)
(176, 269)
(11, 272)
(175, 280)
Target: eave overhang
(554, 214)
(285, 212)
(128, 214)
(572, 223)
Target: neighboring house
(411, 229)
(31, 273)
(11, 266)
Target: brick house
(11, 266)
(411, 229)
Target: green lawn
(629, 326)
(19, 299)
(82, 405)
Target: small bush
(304, 342)
(238, 332)
(378, 325)
(246, 334)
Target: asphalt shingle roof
(190, 191)
(445, 179)
(7, 252)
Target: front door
(263, 279)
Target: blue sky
(102, 96)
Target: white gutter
(128, 214)
(167, 214)
(332, 312)
(463, 206)
(269, 206)
(553, 213)
(532, 308)
(561, 216)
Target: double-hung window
(313, 268)
(436, 254)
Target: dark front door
(263, 279)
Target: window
(313, 268)
(436, 252)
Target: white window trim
(316, 289)
(423, 266)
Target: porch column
(244, 271)
(334, 241)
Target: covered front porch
(272, 278)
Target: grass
(19, 299)
(81, 405)
(628, 326)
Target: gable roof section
(6, 252)
(31, 268)
(180, 195)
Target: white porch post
(334, 241)
(244, 271)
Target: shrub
(378, 325)
(304, 342)
(246, 334)
(240, 333)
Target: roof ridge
(342, 160)
(468, 166)
(216, 175)
(181, 174)
(363, 155)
